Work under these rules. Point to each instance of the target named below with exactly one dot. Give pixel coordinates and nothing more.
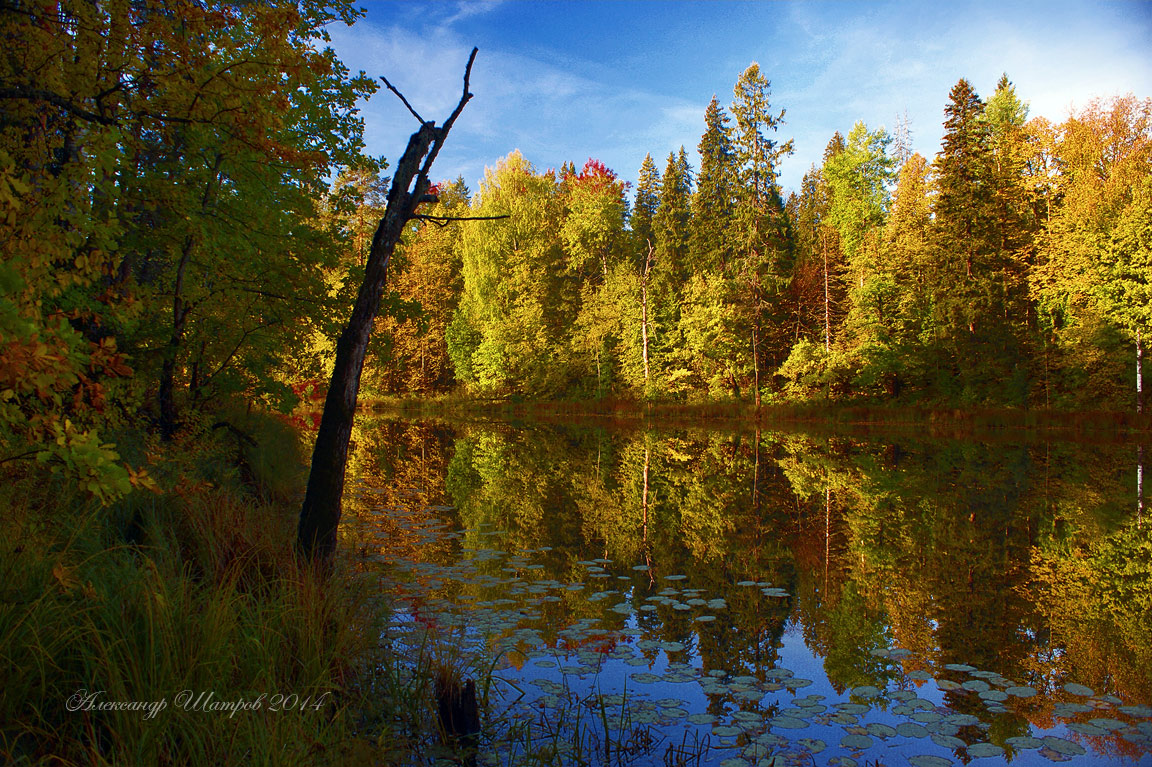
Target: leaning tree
(320, 514)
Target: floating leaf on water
(866, 691)
(946, 741)
(1107, 724)
(995, 695)
(705, 618)
(726, 731)
(911, 730)
(959, 667)
(879, 652)
(919, 676)
(841, 761)
(675, 577)
(701, 718)
(774, 592)
(641, 568)
(734, 761)
(717, 604)
(747, 583)
(961, 720)
(947, 684)
(812, 744)
(777, 673)
(881, 731)
(645, 717)
(747, 716)
(928, 760)
(984, 750)
(1023, 742)
(674, 713)
(976, 685)
(1067, 710)
(681, 606)
(1065, 747)
(1086, 729)
(788, 722)
(926, 717)
(852, 708)
(648, 608)
(645, 678)
(1141, 711)
(854, 742)
(1021, 692)
(1077, 689)
(842, 718)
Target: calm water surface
(764, 598)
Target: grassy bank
(865, 415)
(177, 627)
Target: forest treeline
(1010, 270)
(186, 207)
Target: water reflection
(985, 594)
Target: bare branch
(447, 126)
(400, 95)
(445, 220)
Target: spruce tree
(968, 268)
(715, 200)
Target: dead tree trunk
(320, 514)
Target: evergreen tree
(714, 203)
(968, 268)
(644, 209)
(760, 236)
(669, 270)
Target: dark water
(735, 598)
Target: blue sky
(615, 80)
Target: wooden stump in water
(459, 712)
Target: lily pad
(854, 742)
(911, 730)
(983, 750)
(959, 667)
(675, 577)
(1085, 728)
(788, 723)
(947, 741)
(1021, 692)
(882, 731)
(1077, 689)
(814, 745)
(726, 731)
(1065, 747)
(928, 760)
(866, 691)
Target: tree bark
(1139, 374)
(320, 514)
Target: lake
(737, 597)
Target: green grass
(196, 591)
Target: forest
(188, 207)
(186, 213)
(1010, 270)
